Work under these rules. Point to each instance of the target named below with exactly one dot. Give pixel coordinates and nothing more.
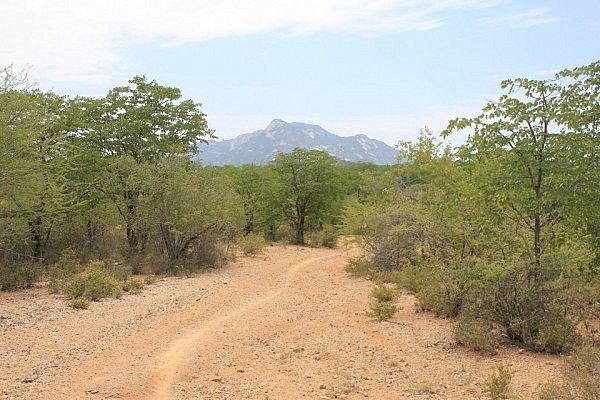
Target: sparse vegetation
(421, 388)
(497, 384)
(581, 381)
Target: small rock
(321, 386)
(217, 379)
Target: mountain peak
(276, 123)
(261, 147)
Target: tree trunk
(35, 229)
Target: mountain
(261, 147)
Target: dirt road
(288, 324)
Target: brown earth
(285, 325)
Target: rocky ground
(287, 324)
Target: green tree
(134, 127)
(308, 186)
(192, 203)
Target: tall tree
(135, 127)
(308, 187)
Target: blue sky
(385, 68)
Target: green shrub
(63, 270)
(497, 384)
(252, 244)
(79, 303)
(383, 293)
(18, 276)
(383, 310)
(475, 334)
(133, 286)
(95, 284)
(150, 279)
(360, 267)
(408, 278)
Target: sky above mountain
(385, 68)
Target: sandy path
(290, 324)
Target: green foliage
(18, 276)
(383, 310)
(150, 279)
(133, 286)
(326, 237)
(63, 271)
(497, 384)
(502, 231)
(384, 293)
(79, 303)
(360, 267)
(95, 284)
(475, 334)
(252, 244)
(307, 188)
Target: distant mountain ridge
(260, 147)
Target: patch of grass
(79, 303)
(383, 310)
(422, 388)
(497, 384)
(133, 286)
(252, 244)
(384, 293)
(150, 279)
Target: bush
(95, 284)
(383, 310)
(133, 286)
(252, 244)
(63, 270)
(497, 384)
(475, 334)
(150, 279)
(360, 267)
(18, 276)
(383, 293)
(79, 303)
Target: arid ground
(287, 324)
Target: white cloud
(525, 19)
(85, 40)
